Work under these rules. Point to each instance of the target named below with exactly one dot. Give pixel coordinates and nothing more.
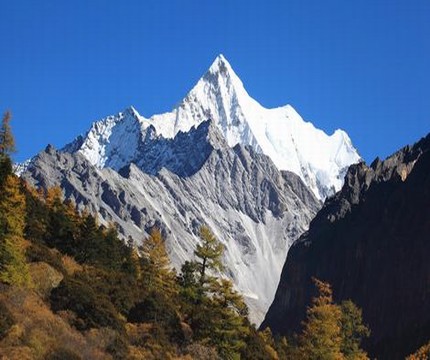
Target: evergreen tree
(13, 267)
(90, 247)
(229, 326)
(216, 312)
(158, 303)
(7, 147)
(353, 331)
(261, 346)
(131, 265)
(209, 253)
(187, 278)
(156, 272)
(64, 226)
(37, 214)
(116, 255)
(7, 141)
(321, 338)
(54, 198)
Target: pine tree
(114, 251)
(7, 147)
(13, 267)
(353, 331)
(216, 312)
(36, 219)
(155, 264)
(7, 141)
(132, 263)
(64, 227)
(158, 303)
(54, 198)
(321, 338)
(90, 242)
(229, 327)
(209, 253)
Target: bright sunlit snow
(280, 133)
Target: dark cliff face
(371, 241)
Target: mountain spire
(220, 96)
(222, 68)
(220, 65)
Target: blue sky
(362, 66)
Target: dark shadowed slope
(371, 241)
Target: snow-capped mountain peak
(111, 142)
(222, 66)
(292, 143)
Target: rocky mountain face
(256, 176)
(371, 242)
(256, 210)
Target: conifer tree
(13, 267)
(89, 244)
(353, 331)
(158, 303)
(229, 327)
(132, 263)
(54, 198)
(321, 337)
(36, 214)
(7, 141)
(114, 251)
(7, 148)
(64, 227)
(217, 313)
(156, 272)
(209, 253)
(228, 298)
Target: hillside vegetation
(71, 289)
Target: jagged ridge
(253, 208)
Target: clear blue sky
(362, 66)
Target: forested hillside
(71, 289)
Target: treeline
(72, 289)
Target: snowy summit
(292, 143)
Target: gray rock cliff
(179, 184)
